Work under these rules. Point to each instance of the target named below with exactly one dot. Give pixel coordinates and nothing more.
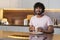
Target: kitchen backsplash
(54, 15)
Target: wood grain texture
(12, 15)
(10, 34)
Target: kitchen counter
(11, 31)
(21, 28)
(55, 26)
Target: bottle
(0, 22)
(55, 21)
(25, 21)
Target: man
(40, 23)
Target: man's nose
(38, 8)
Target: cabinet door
(56, 30)
(16, 28)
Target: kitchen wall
(8, 3)
(30, 3)
(54, 15)
(49, 4)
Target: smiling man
(40, 23)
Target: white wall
(51, 4)
(55, 4)
(13, 3)
(30, 3)
(4, 3)
(8, 3)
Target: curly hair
(40, 5)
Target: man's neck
(39, 16)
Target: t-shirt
(42, 22)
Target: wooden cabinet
(13, 15)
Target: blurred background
(15, 16)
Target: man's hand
(39, 29)
(32, 29)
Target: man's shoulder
(46, 16)
(33, 16)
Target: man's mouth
(38, 13)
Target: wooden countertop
(10, 34)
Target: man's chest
(39, 22)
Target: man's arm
(50, 26)
(50, 29)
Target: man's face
(38, 11)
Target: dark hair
(40, 5)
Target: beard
(38, 13)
